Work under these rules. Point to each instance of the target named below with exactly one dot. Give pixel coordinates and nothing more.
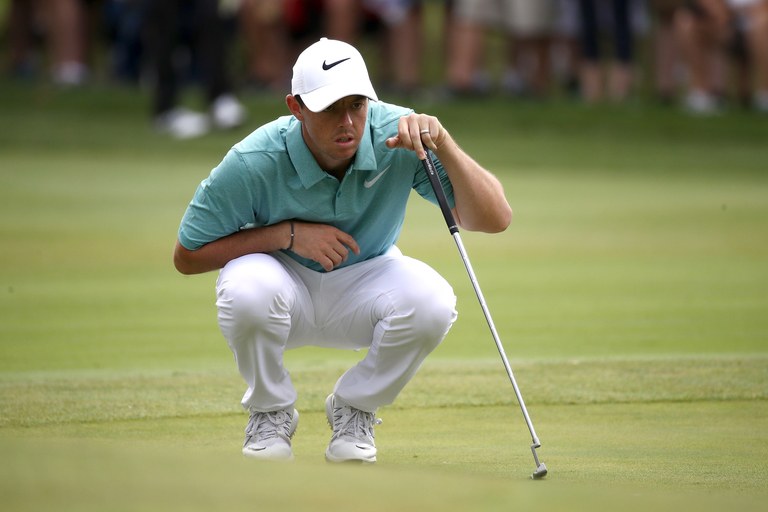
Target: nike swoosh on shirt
(326, 67)
(371, 182)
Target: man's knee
(437, 315)
(432, 310)
(253, 288)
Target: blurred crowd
(702, 54)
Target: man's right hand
(327, 245)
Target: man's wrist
(293, 235)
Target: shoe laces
(269, 425)
(351, 422)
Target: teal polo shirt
(271, 176)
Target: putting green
(629, 294)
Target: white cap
(328, 71)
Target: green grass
(630, 294)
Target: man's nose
(346, 118)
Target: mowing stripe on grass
(82, 397)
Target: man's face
(333, 135)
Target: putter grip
(434, 180)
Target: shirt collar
(305, 164)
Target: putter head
(541, 469)
(541, 472)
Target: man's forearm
(479, 196)
(216, 254)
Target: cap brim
(322, 98)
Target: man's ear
(294, 107)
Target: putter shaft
(429, 167)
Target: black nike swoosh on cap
(326, 67)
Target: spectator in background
(531, 31)
(397, 22)
(61, 24)
(203, 25)
(341, 19)
(22, 28)
(702, 29)
(617, 85)
(308, 19)
(275, 31)
(122, 25)
(566, 47)
(710, 29)
(264, 32)
(466, 48)
(667, 71)
(404, 46)
(751, 16)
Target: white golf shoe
(352, 439)
(268, 434)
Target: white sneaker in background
(70, 74)
(701, 103)
(760, 102)
(268, 434)
(182, 123)
(227, 112)
(352, 439)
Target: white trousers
(398, 308)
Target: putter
(434, 179)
